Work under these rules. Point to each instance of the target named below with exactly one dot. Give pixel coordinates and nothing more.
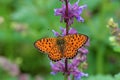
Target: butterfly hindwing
(48, 45)
(73, 43)
(55, 54)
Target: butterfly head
(60, 41)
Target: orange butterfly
(61, 47)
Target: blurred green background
(22, 22)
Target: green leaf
(117, 76)
(117, 48)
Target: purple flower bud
(69, 78)
(74, 11)
(24, 77)
(83, 50)
(87, 43)
(63, 30)
(80, 74)
(76, 61)
(57, 67)
(55, 33)
(72, 31)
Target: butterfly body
(61, 44)
(61, 47)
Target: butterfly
(62, 46)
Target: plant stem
(67, 29)
(66, 77)
(100, 62)
(66, 19)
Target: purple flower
(83, 50)
(63, 30)
(24, 77)
(73, 64)
(8, 66)
(57, 67)
(74, 11)
(72, 68)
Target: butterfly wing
(48, 45)
(55, 54)
(73, 43)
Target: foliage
(104, 77)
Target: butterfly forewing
(73, 43)
(45, 44)
(49, 46)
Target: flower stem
(66, 19)
(66, 64)
(66, 77)
(67, 29)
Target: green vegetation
(22, 22)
